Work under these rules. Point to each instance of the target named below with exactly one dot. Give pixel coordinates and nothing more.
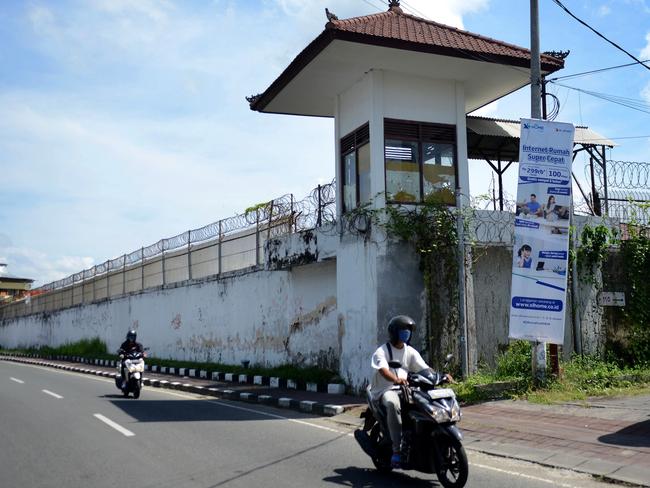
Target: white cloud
(645, 52)
(448, 12)
(39, 266)
(645, 93)
(644, 55)
(489, 110)
(603, 11)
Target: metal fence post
(94, 281)
(219, 255)
(142, 268)
(163, 264)
(108, 279)
(292, 222)
(189, 256)
(257, 237)
(124, 275)
(268, 233)
(320, 208)
(72, 292)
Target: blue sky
(123, 122)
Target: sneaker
(396, 460)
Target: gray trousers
(393, 409)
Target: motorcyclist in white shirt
(400, 329)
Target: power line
(557, 2)
(632, 103)
(413, 9)
(373, 5)
(566, 77)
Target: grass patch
(287, 371)
(581, 377)
(96, 349)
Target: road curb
(595, 473)
(241, 378)
(305, 406)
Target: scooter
(431, 442)
(133, 363)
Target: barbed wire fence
(227, 245)
(237, 242)
(624, 190)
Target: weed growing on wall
(432, 229)
(595, 243)
(635, 252)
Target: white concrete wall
(420, 99)
(355, 106)
(267, 317)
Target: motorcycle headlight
(439, 414)
(455, 411)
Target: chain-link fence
(227, 245)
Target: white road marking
(51, 393)
(181, 395)
(281, 417)
(115, 425)
(521, 475)
(16, 380)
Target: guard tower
(399, 88)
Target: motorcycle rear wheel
(382, 463)
(454, 469)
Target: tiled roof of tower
(399, 30)
(395, 24)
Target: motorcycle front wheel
(453, 470)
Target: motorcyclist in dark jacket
(128, 346)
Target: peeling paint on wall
(313, 317)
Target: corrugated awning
(499, 138)
(510, 128)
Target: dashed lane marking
(51, 393)
(115, 425)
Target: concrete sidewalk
(608, 438)
(603, 437)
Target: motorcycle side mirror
(448, 358)
(395, 364)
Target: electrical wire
(561, 5)
(373, 5)
(632, 103)
(585, 73)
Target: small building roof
(421, 34)
(7, 278)
(336, 58)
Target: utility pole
(539, 348)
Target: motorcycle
(133, 364)
(431, 442)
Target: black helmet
(131, 335)
(397, 323)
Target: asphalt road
(65, 429)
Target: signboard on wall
(541, 248)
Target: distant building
(11, 287)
